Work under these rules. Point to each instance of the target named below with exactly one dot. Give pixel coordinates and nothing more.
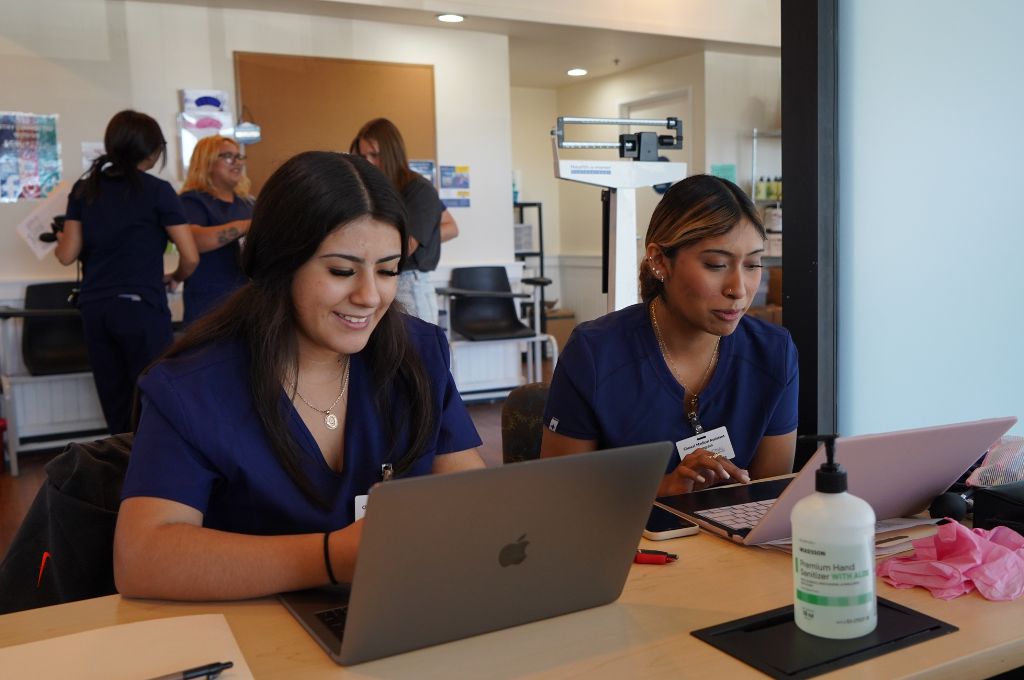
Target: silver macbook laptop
(445, 557)
(898, 473)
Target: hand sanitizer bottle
(833, 557)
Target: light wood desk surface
(645, 634)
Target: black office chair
(522, 422)
(52, 343)
(483, 305)
(480, 307)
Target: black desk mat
(772, 643)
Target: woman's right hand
(698, 470)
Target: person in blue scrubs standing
(218, 206)
(686, 364)
(119, 219)
(430, 223)
(263, 428)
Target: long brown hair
(696, 208)
(394, 162)
(307, 198)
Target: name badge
(715, 441)
(360, 509)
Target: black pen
(210, 670)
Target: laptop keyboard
(742, 516)
(334, 619)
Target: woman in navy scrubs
(430, 223)
(119, 219)
(264, 425)
(218, 206)
(686, 361)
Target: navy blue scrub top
(612, 385)
(124, 237)
(219, 270)
(201, 443)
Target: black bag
(1001, 505)
(64, 549)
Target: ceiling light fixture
(576, 72)
(451, 18)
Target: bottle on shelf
(761, 189)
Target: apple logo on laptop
(513, 553)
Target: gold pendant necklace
(689, 405)
(330, 420)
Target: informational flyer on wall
(90, 152)
(425, 169)
(29, 156)
(454, 189)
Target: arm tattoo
(228, 235)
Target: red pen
(653, 557)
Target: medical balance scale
(620, 180)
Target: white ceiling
(539, 54)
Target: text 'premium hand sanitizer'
(833, 557)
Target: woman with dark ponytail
(119, 220)
(264, 427)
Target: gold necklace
(691, 403)
(330, 420)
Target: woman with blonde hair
(686, 364)
(218, 206)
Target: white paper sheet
(132, 651)
(38, 221)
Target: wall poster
(454, 189)
(29, 156)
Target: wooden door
(316, 103)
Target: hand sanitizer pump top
(833, 557)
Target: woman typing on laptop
(686, 364)
(262, 430)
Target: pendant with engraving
(331, 421)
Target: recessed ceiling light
(576, 72)
(451, 18)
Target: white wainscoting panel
(486, 369)
(580, 279)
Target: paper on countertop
(891, 535)
(144, 649)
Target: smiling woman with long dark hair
(263, 425)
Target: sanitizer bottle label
(834, 589)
